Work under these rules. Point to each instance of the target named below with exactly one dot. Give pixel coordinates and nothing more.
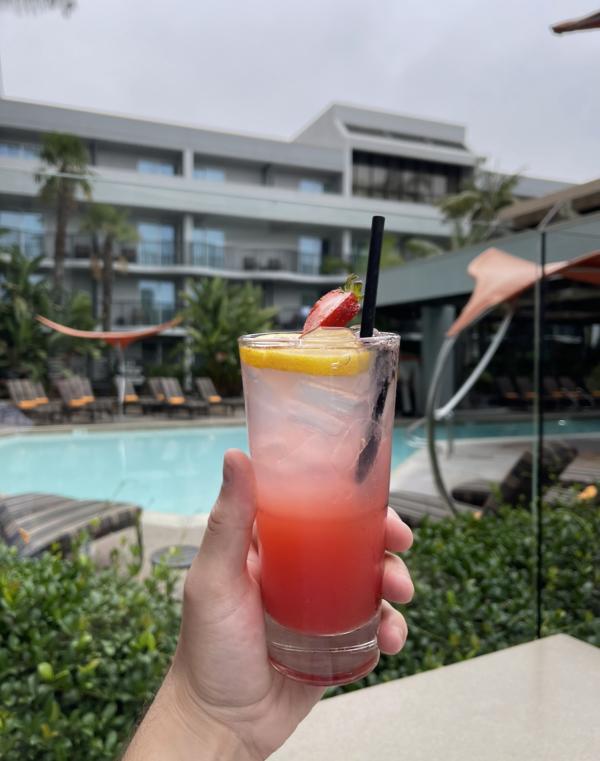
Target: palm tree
(216, 313)
(109, 225)
(474, 210)
(65, 172)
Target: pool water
(174, 470)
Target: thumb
(228, 533)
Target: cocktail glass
(320, 412)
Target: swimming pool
(172, 470)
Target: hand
(221, 690)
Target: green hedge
(474, 587)
(82, 650)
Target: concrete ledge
(535, 702)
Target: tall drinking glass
(320, 412)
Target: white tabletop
(537, 702)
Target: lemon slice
(311, 355)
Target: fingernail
(227, 471)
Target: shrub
(474, 587)
(82, 650)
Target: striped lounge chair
(34, 522)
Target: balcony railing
(169, 253)
(244, 259)
(156, 253)
(31, 244)
(139, 313)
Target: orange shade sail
(579, 24)
(120, 338)
(501, 277)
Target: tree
(111, 226)
(474, 210)
(64, 173)
(23, 342)
(216, 314)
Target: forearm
(171, 731)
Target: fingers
(398, 536)
(397, 585)
(228, 533)
(392, 630)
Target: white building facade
(282, 214)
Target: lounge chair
(485, 496)
(77, 396)
(30, 397)
(527, 391)
(507, 392)
(575, 392)
(518, 481)
(554, 392)
(208, 392)
(35, 522)
(175, 399)
(73, 400)
(585, 469)
(593, 387)
(413, 507)
(145, 403)
(155, 386)
(100, 404)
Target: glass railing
(207, 255)
(156, 253)
(132, 312)
(31, 244)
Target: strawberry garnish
(336, 308)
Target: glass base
(323, 659)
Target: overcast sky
(528, 98)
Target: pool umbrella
(120, 339)
(578, 25)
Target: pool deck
(488, 459)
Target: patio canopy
(118, 338)
(501, 277)
(579, 24)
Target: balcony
(31, 244)
(134, 312)
(160, 253)
(256, 259)
(210, 256)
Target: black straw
(367, 323)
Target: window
(23, 229)
(209, 173)
(157, 298)
(157, 243)
(311, 186)
(155, 166)
(396, 178)
(18, 150)
(208, 247)
(309, 255)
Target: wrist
(176, 729)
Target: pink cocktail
(320, 413)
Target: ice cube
(331, 338)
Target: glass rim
(283, 338)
